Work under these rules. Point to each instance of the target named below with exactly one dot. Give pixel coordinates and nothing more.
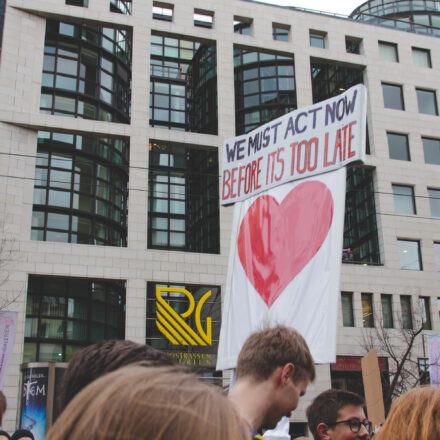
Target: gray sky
(344, 7)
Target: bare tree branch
(397, 345)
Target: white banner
(306, 142)
(284, 265)
(434, 359)
(8, 327)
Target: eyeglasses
(354, 424)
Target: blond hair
(413, 416)
(137, 402)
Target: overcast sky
(344, 7)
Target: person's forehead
(351, 412)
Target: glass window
(431, 150)
(388, 52)
(398, 146)
(317, 39)
(162, 11)
(83, 3)
(421, 57)
(409, 253)
(360, 226)
(367, 309)
(183, 201)
(280, 32)
(393, 96)
(437, 255)
(242, 25)
(434, 201)
(405, 305)
(265, 80)
(427, 102)
(423, 366)
(72, 68)
(73, 178)
(203, 18)
(347, 309)
(58, 309)
(404, 202)
(353, 45)
(187, 70)
(121, 6)
(387, 311)
(425, 312)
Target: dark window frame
(406, 309)
(425, 312)
(389, 45)
(189, 178)
(434, 201)
(419, 254)
(386, 90)
(96, 177)
(35, 310)
(367, 310)
(404, 197)
(347, 314)
(433, 95)
(387, 315)
(394, 149)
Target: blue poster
(34, 400)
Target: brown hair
(3, 406)
(268, 349)
(325, 407)
(101, 358)
(160, 403)
(413, 416)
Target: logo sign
(309, 141)
(173, 325)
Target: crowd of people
(123, 390)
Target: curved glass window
(183, 198)
(183, 90)
(81, 190)
(64, 315)
(421, 16)
(86, 72)
(264, 87)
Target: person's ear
(322, 430)
(287, 373)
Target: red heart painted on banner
(276, 241)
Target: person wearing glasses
(338, 415)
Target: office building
(112, 118)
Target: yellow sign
(172, 325)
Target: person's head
(103, 357)
(279, 356)
(22, 434)
(337, 415)
(413, 416)
(3, 406)
(160, 403)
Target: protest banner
(306, 142)
(8, 327)
(284, 265)
(434, 359)
(287, 180)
